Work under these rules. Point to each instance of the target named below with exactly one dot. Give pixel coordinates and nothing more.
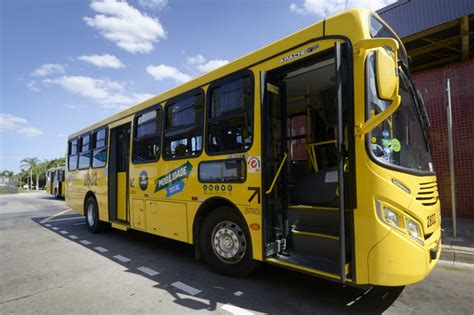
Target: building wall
(431, 84)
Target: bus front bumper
(397, 260)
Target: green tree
(27, 165)
(7, 173)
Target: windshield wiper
(420, 107)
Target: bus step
(120, 225)
(309, 263)
(314, 219)
(315, 242)
(309, 207)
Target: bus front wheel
(94, 225)
(225, 243)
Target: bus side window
(99, 148)
(85, 154)
(72, 155)
(183, 127)
(229, 116)
(146, 137)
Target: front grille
(428, 194)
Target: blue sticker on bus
(173, 181)
(174, 188)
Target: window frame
(159, 108)
(70, 141)
(106, 146)
(367, 141)
(244, 169)
(231, 77)
(173, 100)
(80, 138)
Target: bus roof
(335, 25)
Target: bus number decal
(90, 180)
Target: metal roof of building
(408, 17)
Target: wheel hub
(229, 242)
(90, 215)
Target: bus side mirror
(386, 64)
(386, 74)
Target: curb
(457, 254)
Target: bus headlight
(399, 220)
(387, 215)
(391, 217)
(414, 230)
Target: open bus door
(119, 173)
(305, 201)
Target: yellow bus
(311, 153)
(55, 181)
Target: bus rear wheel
(225, 243)
(94, 225)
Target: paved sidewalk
(459, 250)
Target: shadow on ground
(269, 290)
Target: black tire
(94, 225)
(238, 261)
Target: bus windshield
(401, 140)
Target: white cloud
(163, 72)
(211, 65)
(153, 4)
(199, 63)
(103, 61)
(47, 69)
(195, 60)
(106, 92)
(30, 131)
(32, 86)
(324, 8)
(126, 26)
(17, 124)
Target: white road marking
(80, 223)
(186, 288)
(47, 225)
(235, 310)
(55, 215)
(101, 249)
(148, 271)
(238, 293)
(368, 290)
(64, 232)
(55, 228)
(73, 237)
(85, 242)
(66, 219)
(350, 303)
(122, 258)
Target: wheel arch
(205, 209)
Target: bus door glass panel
(274, 150)
(123, 154)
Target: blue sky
(65, 64)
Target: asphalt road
(56, 266)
